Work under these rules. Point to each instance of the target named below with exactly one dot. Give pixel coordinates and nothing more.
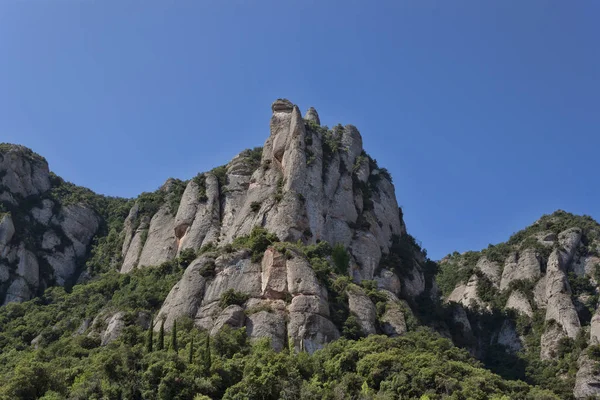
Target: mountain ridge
(300, 242)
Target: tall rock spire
(312, 115)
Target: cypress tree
(174, 337)
(161, 337)
(150, 339)
(191, 355)
(207, 357)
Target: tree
(161, 336)
(207, 357)
(174, 337)
(191, 354)
(150, 339)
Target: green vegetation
(232, 297)
(257, 242)
(341, 258)
(255, 206)
(457, 268)
(418, 364)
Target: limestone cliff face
(307, 184)
(534, 272)
(42, 239)
(310, 184)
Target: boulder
(363, 308)
(233, 316)
(587, 380)
(161, 243)
(518, 301)
(267, 324)
(274, 275)
(520, 265)
(185, 297)
(312, 115)
(7, 230)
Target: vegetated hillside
(537, 296)
(299, 244)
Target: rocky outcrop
(363, 308)
(232, 316)
(286, 302)
(161, 244)
(44, 237)
(595, 328)
(310, 184)
(466, 294)
(312, 115)
(524, 265)
(185, 297)
(490, 270)
(24, 173)
(560, 308)
(587, 380)
(519, 302)
(509, 338)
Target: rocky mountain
(300, 242)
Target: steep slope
(46, 225)
(541, 287)
(301, 243)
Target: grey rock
(114, 328)
(28, 267)
(64, 264)
(185, 297)
(23, 172)
(83, 327)
(80, 224)
(363, 308)
(310, 304)
(18, 291)
(274, 275)
(43, 215)
(301, 277)
(4, 272)
(518, 301)
(50, 240)
(312, 115)
(233, 316)
(520, 265)
(595, 328)
(198, 222)
(310, 332)
(490, 269)
(267, 324)
(509, 338)
(7, 230)
(367, 253)
(392, 321)
(161, 244)
(587, 380)
(550, 341)
(387, 280)
(539, 293)
(243, 276)
(466, 294)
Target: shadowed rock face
(41, 240)
(547, 274)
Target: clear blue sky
(487, 113)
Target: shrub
(186, 257)
(341, 258)
(255, 206)
(257, 242)
(231, 297)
